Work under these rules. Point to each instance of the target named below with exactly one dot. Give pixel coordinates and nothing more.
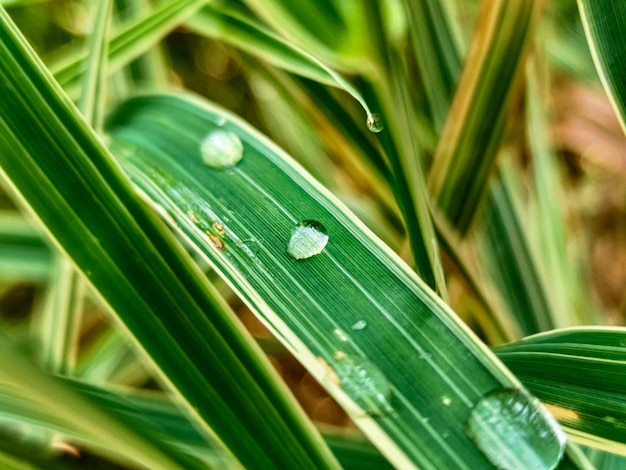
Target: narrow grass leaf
(333, 300)
(436, 53)
(471, 137)
(127, 43)
(504, 246)
(316, 26)
(24, 256)
(93, 91)
(242, 32)
(65, 406)
(400, 141)
(603, 21)
(550, 252)
(191, 336)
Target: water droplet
(375, 123)
(221, 149)
(446, 400)
(340, 334)
(513, 431)
(360, 325)
(366, 384)
(308, 239)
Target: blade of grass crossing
(68, 407)
(131, 41)
(191, 335)
(471, 137)
(551, 257)
(436, 54)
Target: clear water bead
(360, 325)
(308, 239)
(375, 123)
(513, 431)
(221, 149)
(366, 384)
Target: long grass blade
(69, 180)
(411, 393)
(129, 42)
(65, 406)
(471, 137)
(242, 32)
(603, 21)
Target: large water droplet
(366, 384)
(308, 239)
(221, 149)
(375, 123)
(514, 431)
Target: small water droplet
(375, 123)
(366, 384)
(340, 334)
(221, 149)
(360, 325)
(514, 431)
(446, 400)
(308, 239)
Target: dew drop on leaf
(366, 384)
(308, 239)
(513, 431)
(221, 149)
(375, 123)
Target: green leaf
(403, 149)
(255, 39)
(383, 344)
(471, 137)
(23, 254)
(90, 209)
(436, 53)
(65, 406)
(324, 28)
(93, 92)
(154, 411)
(603, 21)
(554, 269)
(505, 250)
(128, 43)
(581, 374)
